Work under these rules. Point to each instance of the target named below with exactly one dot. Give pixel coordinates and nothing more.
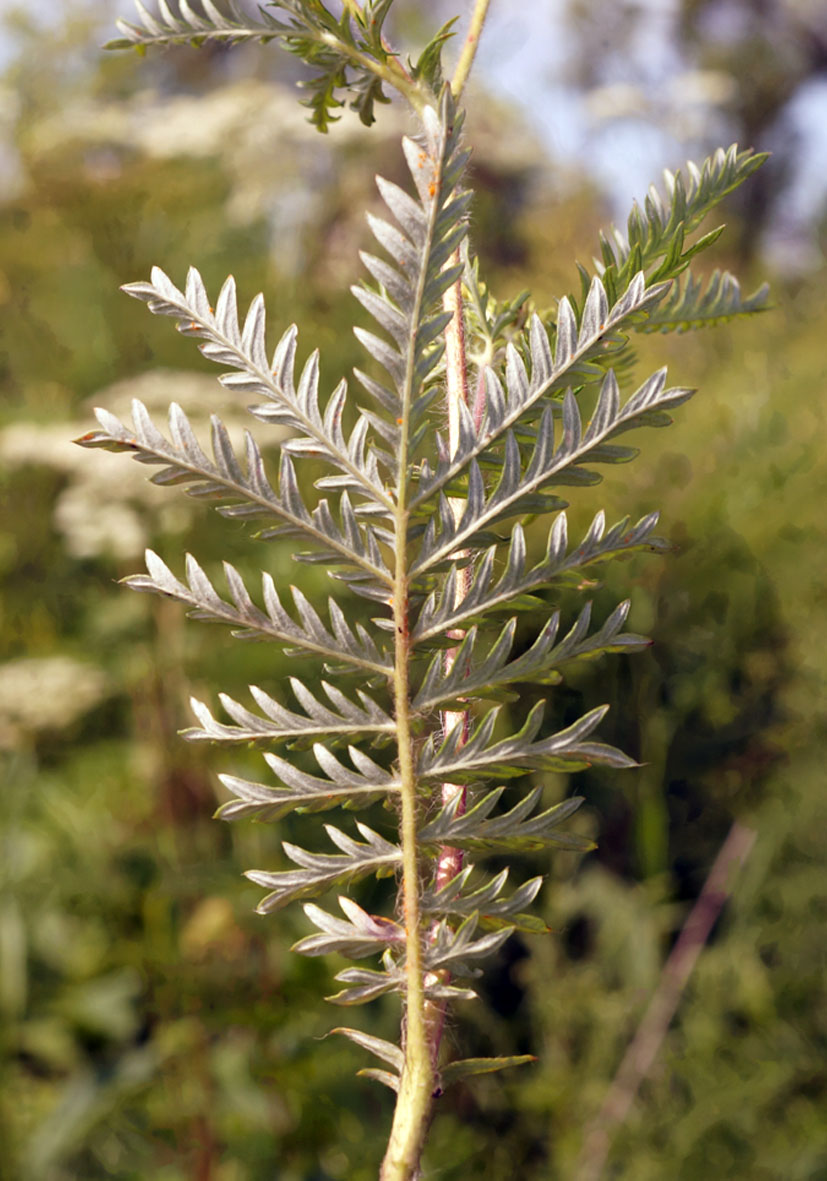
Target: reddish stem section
(449, 860)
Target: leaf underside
(468, 572)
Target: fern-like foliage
(420, 709)
(694, 304)
(660, 243)
(184, 24)
(347, 51)
(657, 239)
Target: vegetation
(165, 1040)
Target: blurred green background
(151, 1026)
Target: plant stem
(416, 1084)
(357, 12)
(423, 1020)
(390, 72)
(456, 391)
(449, 860)
(469, 49)
(413, 1105)
(456, 364)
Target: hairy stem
(424, 1020)
(416, 1084)
(469, 49)
(449, 860)
(413, 1106)
(357, 12)
(392, 72)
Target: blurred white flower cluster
(46, 693)
(257, 129)
(110, 507)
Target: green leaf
(470, 676)
(193, 28)
(495, 912)
(387, 1051)
(366, 985)
(340, 643)
(301, 792)
(455, 1072)
(693, 304)
(428, 66)
(319, 872)
(284, 725)
(360, 935)
(655, 238)
(553, 458)
(457, 761)
(348, 56)
(513, 831)
(240, 494)
(289, 402)
(346, 53)
(380, 1076)
(454, 603)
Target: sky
(522, 54)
